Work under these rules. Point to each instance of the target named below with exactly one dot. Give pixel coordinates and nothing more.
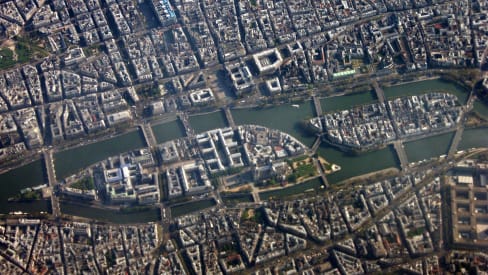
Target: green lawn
(84, 184)
(25, 49)
(6, 58)
(302, 170)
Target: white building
(268, 61)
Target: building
(164, 12)
(119, 117)
(174, 188)
(241, 78)
(194, 178)
(78, 193)
(268, 61)
(202, 97)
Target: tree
(292, 178)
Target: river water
(338, 103)
(109, 215)
(473, 138)
(206, 122)
(313, 186)
(285, 118)
(355, 165)
(191, 207)
(422, 87)
(481, 109)
(168, 131)
(427, 148)
(71, 161)
(15, 180)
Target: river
(168, 131)
(71, 161)
(285, 118)
(422, 87)
(473, 138)
(427, 148)
(355, 165)
(313, 186)
(106, 215)
(206, 122)
(337, 103)
(481, 109)
(190, 207)
(17, 179)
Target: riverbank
(420, 79)
(311, 185)
(372, 176)
(181, 209)
(25, 162)
(113, 216)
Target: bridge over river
(51, 175)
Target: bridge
(402, 155)
(316, 144)
(228, 116)
(255, 194)
(51, 176)
(380, 94)
(317, 105)
(322, 172)
(148, 134)
(460, 127)
(183, 117)
(165, 214)
(455, 141)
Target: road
(436, 170)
